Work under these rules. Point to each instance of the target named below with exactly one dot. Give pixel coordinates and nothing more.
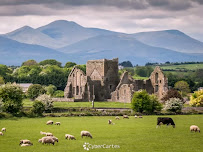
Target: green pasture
(183, 66)
(127, 135)
(102, 104)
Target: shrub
(11, 96)
(172, 94)
(196, 99)
(35, 90)
(183, 87)
(173, 105)
(38, 108)
(58, 94)
(143, 102)
(50, 89)
(47, 101)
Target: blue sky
(129, 16)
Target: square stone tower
(104, 76)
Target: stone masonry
(101, 82)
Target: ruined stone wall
(159, 82)
(76, 85)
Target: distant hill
(124, 47)
(171, 39)
(29, 35)
(69, 41)
(14, 53)
(68, 32)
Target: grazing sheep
(48, 140)
(25, 141)
(135, 116)
(50, 122)
(55, 138)
(194, 128)
(24, 145)
(58, 123)
(110, 122)
(117, 118)
(70, 137)
(3, 129)
(85, 133)
(49, 134)
(42, 133)
(140, 117)
(125, 116)
(1, 134)
(40, 140)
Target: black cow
(165, 121)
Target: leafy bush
(50, 89)
(143, 102)
(38, 108)
(47, 101)
(183, 87)
(174, 105)
(35, 90)
(196, 99)
(58, 94)
(70, 64)
(11, 96)
(172, 94)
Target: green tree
(38, 108)
(70, 64)
(143, 102)
(172, 93)
(29, 63)
(58, 94)
(11, 96)
(183, 87)
(50, 62)
(35, 90)
(50, 89)
(1, 80)
(144, 71)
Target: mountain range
(68, 41)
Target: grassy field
(183, 66)
(28, 103)
(138, 135)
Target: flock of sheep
(49, 138)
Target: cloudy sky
(128, 16)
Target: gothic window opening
(156, 77)
(77, 90)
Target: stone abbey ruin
(102, 83)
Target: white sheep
(135, 116)
(86, 133)
(110, 122)
(25, 141)
(55, 138)
(49, 134)
(125, 116)
(42, 133)
(48, 140)
(140, 117)
(40, 140)
(1, 134)
(3, 129)
(194, 128)
(70, 137)
(24, 145)
(50, 122)
(117, 118)
(58, 123)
